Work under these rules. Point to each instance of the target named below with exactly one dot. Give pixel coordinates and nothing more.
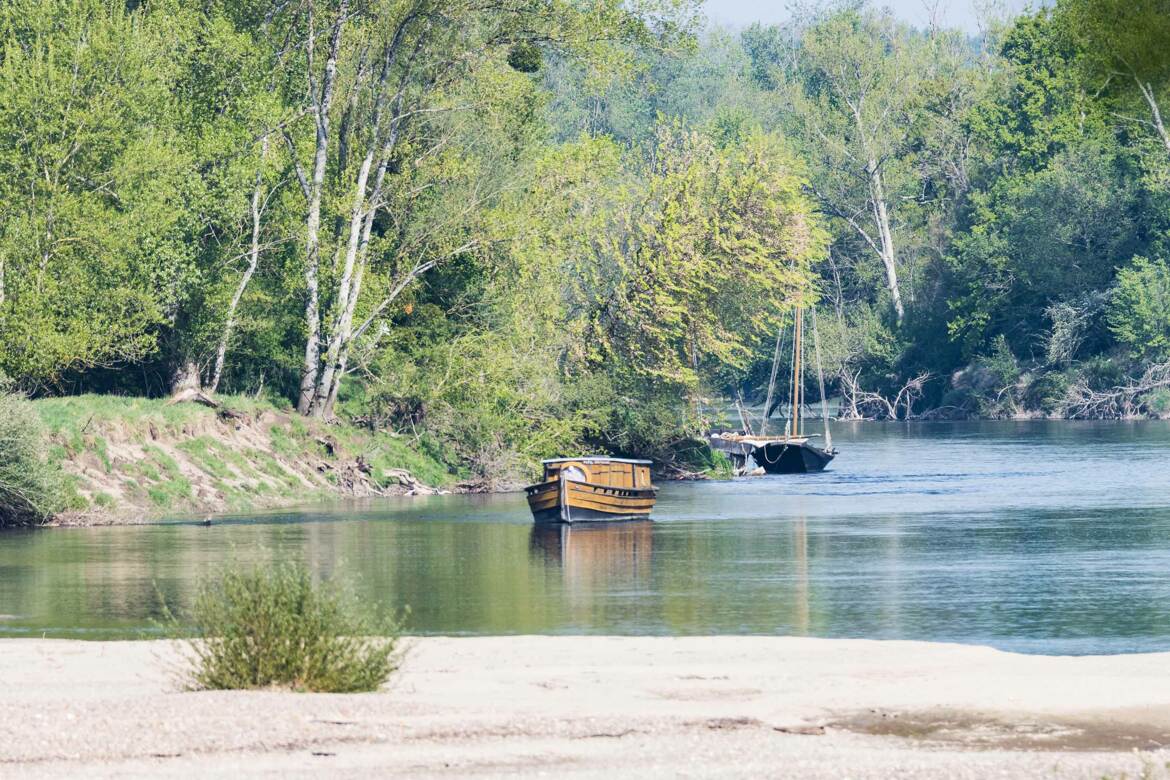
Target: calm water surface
(1038, 537)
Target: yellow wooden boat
(576, 490)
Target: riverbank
(129, 460)
(600, 707)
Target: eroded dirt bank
(133, 460)
(600, 707)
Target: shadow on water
(1043, 538)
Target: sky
(955, 13)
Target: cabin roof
(596, 459)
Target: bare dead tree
(909, 393)
(1123, 401)
(861, 404)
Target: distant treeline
(519, 228)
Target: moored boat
(792, 456)
(592, 489)
(794, 452)
(781, 455)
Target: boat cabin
(608, 472)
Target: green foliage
(525, 57)
(1138, 312)
(1157, 403)
(1048, 392)
(590, 219)
(31, 489)
(277, 626)
(993, 385)
(1039, 107)
(1124, 59)
(1039, 238)
(91, 187)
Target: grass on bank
(277, 626)
(244, 472)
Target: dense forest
(518, 228)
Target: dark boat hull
(781, 458)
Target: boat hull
(792, 458)
(567, 501)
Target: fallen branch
(1124, 401)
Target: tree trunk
(362, 212)
(253, 260)
(186, 378)
(335, 387)
(322, 104)
(888, 255)
(1155, 111)
(338, 357)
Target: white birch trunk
(888, 254)
(360, 222)
(336, 363)
(1155, 111)
(322, 105)
(253, 261)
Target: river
(1042, 537)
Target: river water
(1044, 537)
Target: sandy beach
(600, 707)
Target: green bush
(1157, 403)
(1139, 311)
(31, 488)
(276, 626)
(1048, 392)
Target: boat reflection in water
(595, 553)
(800, 592)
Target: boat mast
(797, 344)
(821, 380)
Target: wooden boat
(785, 455)
(576, 490)
(794, 452)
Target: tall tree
(852, 93)
(1125, 51)
(372, 79)
(93, 187)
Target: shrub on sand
(276, 626)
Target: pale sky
(955, 13)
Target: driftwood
(860, 404)
(743, 417)
(1120, 401)
(227, 415)
(194, 396)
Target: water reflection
(800, 620)
(595, 554)
(930, 532)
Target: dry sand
(600, 707)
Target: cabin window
(574, 474)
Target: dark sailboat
(794, 452)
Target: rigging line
(772, 379)
(764, 451)
(821, 380)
